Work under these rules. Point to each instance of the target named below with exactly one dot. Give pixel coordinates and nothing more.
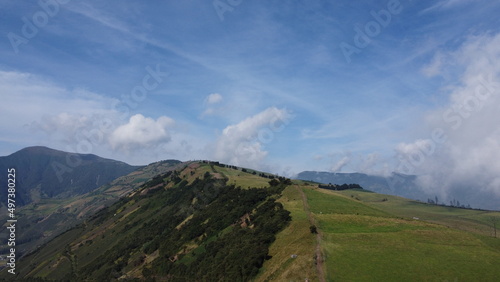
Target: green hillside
(43, 173)
(46, 218)
(211, 222)
(374, 237)
(184, 224)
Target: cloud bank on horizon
(463, 147)
(405, 86)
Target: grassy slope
(243, 179)
(98, 239)
(88, 244)
(295, 239)
(364, 238)
(378, 241)
(234, 176)
(477, 221)
(54, 216)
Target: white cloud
(34, 104)
(242, 144)
(40, 112)
(70, 128)
(362, 162)
(210, 104)
(370, 164)
(29, 96)
(414, 149)
(337, 167)
(213, 98)
(445, 5)
(141, 132)
(467, 151)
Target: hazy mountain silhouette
(395, 184)
(42, 172)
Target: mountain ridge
(42, 172)
(210, 216)
(42, 216)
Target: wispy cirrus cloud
(279, 55)
(445, 4)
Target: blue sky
(268, 85)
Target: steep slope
(46, 173)
(196, 224)
(42, 220)
(186, 224)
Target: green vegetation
(476, 221)
(321, 204)
(339, 187)
(206, 222)
(46, 218)
(244, 178)
(177, 226)
(295, 239)
(367, 237)
(46, 173)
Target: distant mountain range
(42, 172)
(407, 186)
(207, 221)
(56, 190)
(396, 184)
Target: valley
(209, 221)
(204, 220)
(42, 217)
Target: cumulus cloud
(242, 144)
(41, 112)
(140, 132)
(462, 150)
(414, 150)
(71, 128)
(213, 98)
(35, 104)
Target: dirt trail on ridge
(319, 257)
